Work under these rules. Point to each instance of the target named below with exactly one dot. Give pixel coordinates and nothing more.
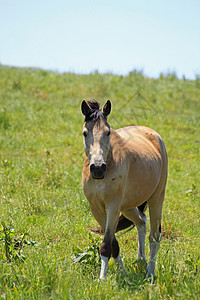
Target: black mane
(95, 114)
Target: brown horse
(123, 171)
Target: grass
(41, 157)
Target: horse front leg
(110, 246)
(105, 252)
(116, 255)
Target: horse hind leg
(155, 213)
(142, 229)
(137, 216)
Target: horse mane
(95, 113)
(93, 104)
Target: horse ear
(106, 108)
(85, 108)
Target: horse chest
(98, 191)
(101, 192)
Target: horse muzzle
(98, 172)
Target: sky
(118, 36)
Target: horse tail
(123, 222)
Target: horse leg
(139, 219)
(115, 254)
(105, 249)
(155, 213)
(110, 245)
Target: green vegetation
(41, 157)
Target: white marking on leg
(119, 264)
(141, 239)
(104, 265)
(154, 247)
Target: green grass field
(44, 214)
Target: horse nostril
(92, 168)
(103, 167)
(97, 172)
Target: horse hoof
(150, 277)
(102, 279)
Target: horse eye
(84, 133)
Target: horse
(123, 171)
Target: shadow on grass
(135, 276)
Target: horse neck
(116, 141)
(117, 146)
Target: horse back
(141, 135)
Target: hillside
(41, 157)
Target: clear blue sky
(106, 35)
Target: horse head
(96, 134)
